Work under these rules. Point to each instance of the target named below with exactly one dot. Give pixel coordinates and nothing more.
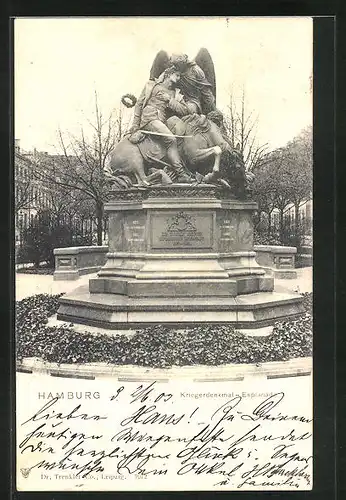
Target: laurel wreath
(129, 100)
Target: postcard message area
(117, 436)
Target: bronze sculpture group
(177, 134)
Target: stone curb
(197, 373)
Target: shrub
(262, 238)
(43, 235)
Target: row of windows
(32, 195)
(22, 173)
(24, 219)
(305, 211)
(290, 222)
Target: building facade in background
(31, 194)
(34, 194)
(305, 219)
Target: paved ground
(32, 284)
(26, 382)
(302, 284)
(297, 367)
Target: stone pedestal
(277, 260)
(73, 262)
(179, 254)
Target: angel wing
(205, 62)
(159, 65)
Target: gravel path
(32, 284)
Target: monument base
(112, 311)
(179, 255)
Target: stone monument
(181, 248)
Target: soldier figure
(194, 84)
(159, 100)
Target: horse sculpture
(139, 159)
(208, 157)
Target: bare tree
(121, 124)
(23, 183)
(284, 179)
(271, 186)
(241, 127)
(281, 192)
(264, 191)
(81, 162)
(22, 195)
(298, 167)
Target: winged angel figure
(177, 133)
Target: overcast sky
(59, 62)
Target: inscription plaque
(181, 230)
(226, 231)
(234, 231)
(286, 262)
(134, 231)
(65, 262)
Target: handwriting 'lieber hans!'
(231, 445)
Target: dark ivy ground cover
(157, 346)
